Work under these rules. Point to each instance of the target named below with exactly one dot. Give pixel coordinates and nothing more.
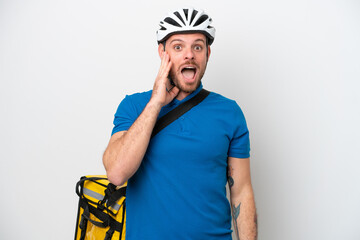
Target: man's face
(189, 55)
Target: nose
(189, 54)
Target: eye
(198, 48)
(177, 47)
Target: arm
(242, 198)
(126, 149)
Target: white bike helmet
(186, 20)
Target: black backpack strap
(178, 111)
(104, 219)
(112, 195)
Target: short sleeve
(125, 115)
(240, 142)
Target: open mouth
(189, 72)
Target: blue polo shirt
(179, 191)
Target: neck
(182, 95)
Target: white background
(292, 66)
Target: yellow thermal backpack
(101, 210)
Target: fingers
(165, 66)
(163, 91)
(174, 91)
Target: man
(176, 180)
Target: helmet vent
(193, 16)
(180, 17)
(202, 19)
(186, 13)
(162, 28)
(172, 22)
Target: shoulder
(138, 97)
(219, 100)
(228, 108)
(134, 102)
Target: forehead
(187, 37)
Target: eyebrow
(197, 40)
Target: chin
(188, 88)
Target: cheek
(203, 63)
(175, 64)
(174, 68)
(175, 58)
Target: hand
(163, 92)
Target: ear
(160, 49)
(208, 53)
